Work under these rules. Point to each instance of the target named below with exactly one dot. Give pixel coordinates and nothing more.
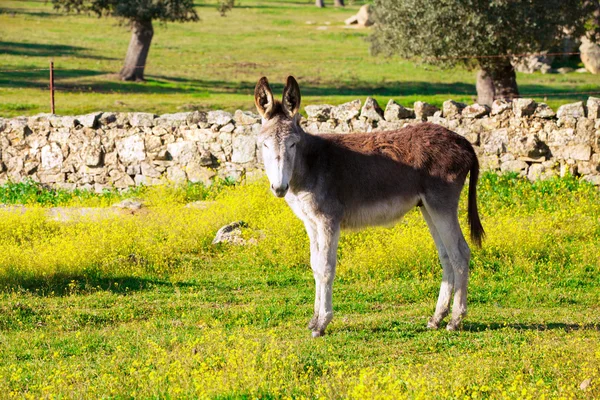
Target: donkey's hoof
(431, 324)
(312, 324)
(316, 334)
(453, 325)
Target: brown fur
(430, 148)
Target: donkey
(334, 181)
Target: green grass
(146, 307)
(215, 63)
(31, 193)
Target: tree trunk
(319, 3)
(137, 52)
(339, 3)
(496, 81)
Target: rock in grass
(130, 204)
(231, 233)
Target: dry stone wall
(104, 150)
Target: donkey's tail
(477, 232)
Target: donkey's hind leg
(445, 219)
(445, 296)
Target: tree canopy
(474, 32)
(134, 10)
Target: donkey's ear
(291, 97)
(263, 98)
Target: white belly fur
(384, 212)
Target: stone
(490, 162)
(495, 142)
(173, 120)
(565, 70)
(593, 108)
(475, 111)
(227, 128)
(131, 149)
(133, 170)
(580, 152)
(575, 110)
(424, 110)
(220, 118)
(344, 127)
(148, 170)
(88, 120)
(529, 146)
(152, 143)
(346, 111)
(92, 154)
(590, 55)
(176, 174)
(107, 118)
(517, 166)
(593, 179)
(231, 233)
(523, 107)
(352, 20)
(532, 63)
(371, 110)
(52, 178)
(183, 152)
(207, 159)
(452, 109)
(197, 173)
(543, 110)
(319, 112)
(52, 157)
(364, 16)
(245, 118)
(244, 149)
(140, 119)
(535, 172)
(499, 106)
(395, 112)
(129, 204)
(123, 181)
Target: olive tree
(139, 14)
(482, 34)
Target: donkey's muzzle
(280, 191)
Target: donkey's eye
(292, 145)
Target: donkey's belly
(383, 212)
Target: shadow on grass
(91, 81)
(480, 327)
(46, 50)
(103, 82)
(67, 284)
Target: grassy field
(215, 63)
(146, 307)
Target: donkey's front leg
(311, 230)
(327, 238)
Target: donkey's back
(377, 177)
(426, 150)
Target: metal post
(52, 87)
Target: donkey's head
(280, 132)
